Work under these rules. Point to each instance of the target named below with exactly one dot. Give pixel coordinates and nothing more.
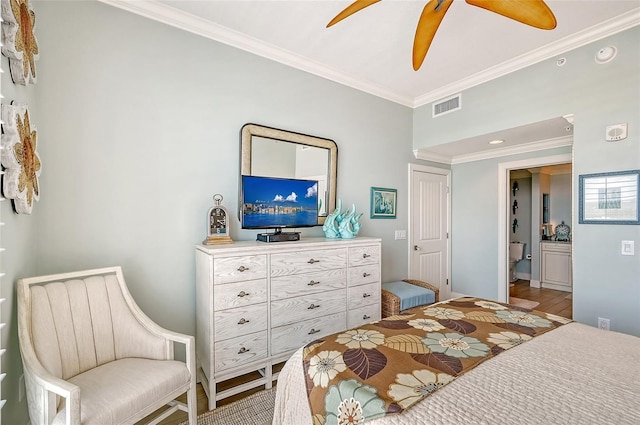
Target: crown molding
(597, 32)
(196, 25)
(540, 145)
(425, 155)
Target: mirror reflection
(271, 152)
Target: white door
(429, 229)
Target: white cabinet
(555, 265)
(256, 303)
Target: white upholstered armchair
(91, 356)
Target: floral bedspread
(386, 367)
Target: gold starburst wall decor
(19, 41)
(20, 158)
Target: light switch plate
(628, 248)
(401, 234)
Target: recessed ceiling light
(496, 142)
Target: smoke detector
(606, 54)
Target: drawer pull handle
(312, 261)
(365, 274)
(312, 282)
(243, 321)
(243, 269)
(365, 295)
(313, 331)
(313, 306)
(366, 317)
(243, 294)
(365, 255)
(243, 350)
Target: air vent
(447, 105)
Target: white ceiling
(371, 50)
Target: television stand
(278, 236)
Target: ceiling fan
(530, 12)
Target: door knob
(416, 248)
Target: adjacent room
(242, 179)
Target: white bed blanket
(575, 374)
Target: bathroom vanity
(555, 267)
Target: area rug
(256, 409)
(519, 302)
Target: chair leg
(192, 405)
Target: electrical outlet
(21, 388)
(603, 324)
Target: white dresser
(256, 303)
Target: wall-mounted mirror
(269, 152)
(545, 208)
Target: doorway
(521, 288)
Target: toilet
(516, 254)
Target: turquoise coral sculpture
(342, 224)
(329, 226)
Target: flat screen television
(277, 203)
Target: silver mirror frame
(249, 130)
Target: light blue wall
(146, 130)
(18, 236)
(606, 283)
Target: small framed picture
(610, 198)
(383, 202)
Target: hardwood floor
(551, 301)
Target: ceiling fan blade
(354, 7)
(530, 12)
(430, 19)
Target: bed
(570, 374)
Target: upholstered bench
(402, 295)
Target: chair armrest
(424, 285)
(45, 383)
(188, 341)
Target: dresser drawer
(307, 283)
(235, 269)
(363, 315)
(364, 274)
(291, 337)
(297, 309)
(362, 295)
(240, 321)
(239, 294)
(362, 255)
(557, 247)
(308, 261)
(241, 350)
